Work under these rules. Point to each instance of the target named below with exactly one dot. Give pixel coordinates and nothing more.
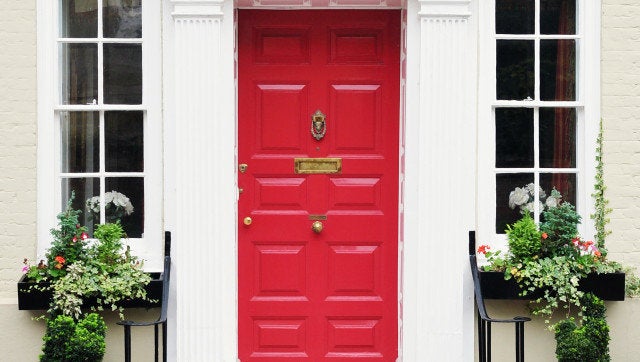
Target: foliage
(78, 270)
(548, 260)
(496, 261)
(56, 338)
(105, 274)
(589, 342)
(68, 341)
(561, 226)
(524, 238)
(557, 277)
(66, 248)
(602, 210)
(631, 283)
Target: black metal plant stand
(162, 320)
(484, 321)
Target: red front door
(328, 293)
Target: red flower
(545, 235)
(483, 249)
(60, 260)
(84, 236)
(74, 239)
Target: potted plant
(548, 263)
(84, 274)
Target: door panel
(332, 294)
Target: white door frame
(437, 203)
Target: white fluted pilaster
(440, 181)
(205, 227)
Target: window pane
(565, 183)
(558, 70)
(558, 16)
(84, 189)
(79, 18)
(514, 69)
(505, 183)
(123, 73)
(557, 137)
(122, 18)
(126, 203)
(80, 141)
(79, 73)
(514, 137)
(124, 141)
(515, 16)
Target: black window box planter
(33, 299)
(609, 286)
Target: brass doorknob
(247, 221)
(316, 227)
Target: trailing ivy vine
(602, 209)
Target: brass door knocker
(318, 125)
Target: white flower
(93, 204)
(531, 205)
(552, 202)
(518, 197)
(531, 189)
(118, 203)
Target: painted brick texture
(620, 76)
(18, 140)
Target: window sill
(609, 286)
(39, 300)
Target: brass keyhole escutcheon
(247, 221)
(317, 227)
(242, 167)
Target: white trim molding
(439, 181)
(445, 8)
(205, 225)
(197, 8)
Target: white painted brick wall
(621, 116)
(17, 140)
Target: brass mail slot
(317, 165)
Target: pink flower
(84, 236)
(25, 269)
(74, 239)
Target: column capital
(197, 8)
(445, 8)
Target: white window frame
(587, 105)
(148, 248)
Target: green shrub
(87, 344)
(561, 226)
(56, 339)
(66, 341)
(588, 343)
(109, 246)
(524, 238)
